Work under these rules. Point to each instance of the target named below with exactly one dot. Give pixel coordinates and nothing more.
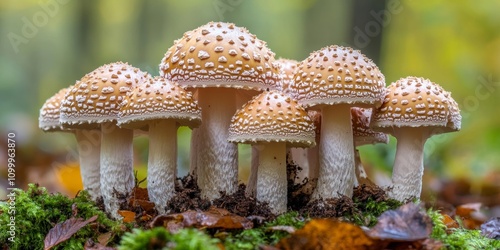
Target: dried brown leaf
(212, 218)
(407, 223)
(491, 228)
(471, 215)
(128, 216)
(64, 230)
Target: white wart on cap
(272, 121)
(414, 109)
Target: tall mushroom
(94, 101)
(88, 142)
(334, 79)
(160, 106)
(272, 121)
(414, 109)
(219, 59)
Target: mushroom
(287, 69)
(334, 79)
(219, 59)
(88, 142)
(413, 110)
(363, 135)
(94, 101)
(160, 106)
(272, 121)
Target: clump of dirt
(238, 203)
(330, 208)
(365, 193)
(187, 196)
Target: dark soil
(187, 196)
(239, 204)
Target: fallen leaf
(491, 228)
(407, 223)
(328, 234)
(128, 216)
(91, 245)
(471, 215)
(104, 238)
(63, 231)
(212, 218)
(140, 198)
(449, 222)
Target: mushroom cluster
(331, 102)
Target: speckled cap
(272, 117)
(417, 102)
(48, 120)
(220, 55)
(158, 99)
(362, 132)
(96, 97)
(338, 75)
(288, 67)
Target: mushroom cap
(48, 120)
(288, 68)
(96, 97)
(158, 99)
(220, 55)
(338, 75)
(417, 102)
(272, 117)
(362, 132)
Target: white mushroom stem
(409, 163)
(89, 151)
(336, 153)
(162, 162)
(217, 158)
(271, 176)
(117, 175)
(252, 179)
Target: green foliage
(252, 238)
(370, 210)
(37, 211)
(160, 238)
(459, 238)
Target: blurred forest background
(47, 45)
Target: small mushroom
(272, 121)
(413, 110)
(88, 142)
(364, 135)
(219, 60)
(160, 106)
(335, 79)
(94, 101)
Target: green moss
(160, 238)
(370, 210)
(37, 211)
(459, 238)
(252, 238)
